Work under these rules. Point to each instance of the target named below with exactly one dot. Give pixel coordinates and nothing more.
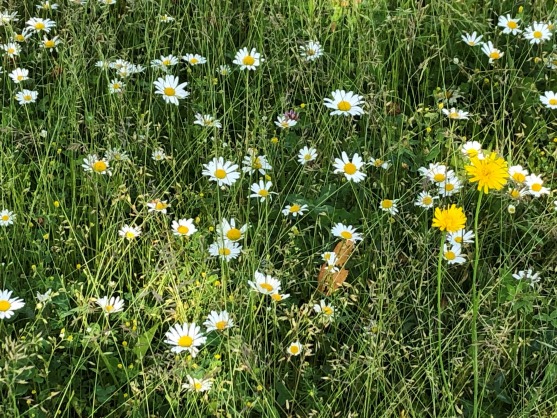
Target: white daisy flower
(253, 162)
(311, 50)
(453, 113)
(116, 86)
(509, 24)
(472, 39)
(529, 275)
(46, 5)
(22, 36)
(7, 217)
(183, 227)
(197, 385)
(165, 62)
(379, 163)
(26, 96)
(228, 230)
(307, 154)
(158, 155)
(295, 349)
(534, 183)
(194, 59)
(225, 249)
(45, 297)
(115, 154)
(460, 237)
(350, 168)
(517, 193)
(248, 60)
(207, 121)
(472, 149)
(37, 24)
(224, 70)
(129, 232)
(436, 173)
(218, 321)
(185, 337)
(19, 74)
(93, 164)
(345, 103)
(347, 232)
(285, 122)
(450, 186)
(6, 18)
(492, 52)
(225, 173)
(158, 206)
(425, 200)
(170, 89)
(11, 49)
(110, 305)
(51, 43)
(8, 304)
(330, 258)
(325, 309)
(453, 254)
(294, 210)
(264, 284)
(388, 205)
(518, 174)
(166, 18)
(549, 99)
(261, 190)
(537, 33)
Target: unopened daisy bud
(511, 209)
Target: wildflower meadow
(280, 208)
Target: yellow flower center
(234, 234)
(346, 234)
(116, 86)
(449, 255)
(310, 51)
(453, 115)
(5, 305)
(553, 101)
(221, 325)
(130, 235)
(39, 26)
(99, 166)
(515, 194)
(344, 106)
(307, 157)
(166, 62)
(19, 77)
(276, 297)
(109, 308)
(519, 177)
(428, 200)
(387, 204)
(327, 310)
(350, 168)
(536, 187)
(537, 34)
(449, 187)
(248, 60)
(27, 98)
(494, 55)
(10, 50)
(5, 218)
(49, 43)
(439, 177)
(194, 61)
(224, 251)
(220, 173)
(294, 208)
(472, 153)
(185, 341)
(19, 37)
(256, 163)
(169, 91)
(294, 349)
(268, 287)
(197, 386)
(378, 163)
(471, 43)
(182, 229)
(511, 24)
(458, 240)
(161, 205)
(263, 193)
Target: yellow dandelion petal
(451, 219)
(490, 172)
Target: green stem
(475, 306)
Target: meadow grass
(409, 335)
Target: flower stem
(475, 305)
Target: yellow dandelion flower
(490, 172)
(451, 219)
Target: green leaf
(144, 341)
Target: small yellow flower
(274, 140)
(451, 219)
(56, 204)
(490, 172)
(440, 105)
